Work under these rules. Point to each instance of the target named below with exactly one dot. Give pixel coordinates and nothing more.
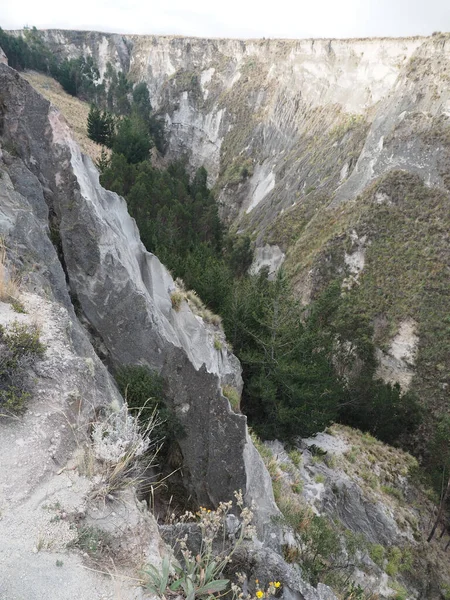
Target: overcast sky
(234, 18)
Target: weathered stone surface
(3, 58)
(268, 257)
(124, 290)
(397, 364)
(219, 455)
(124, 293)
(358, 513)
(267, 99)
(266, 565)
(330, 490)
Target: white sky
(234, 18)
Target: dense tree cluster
(77, 76)
(127, 125)
(294, 368)
(298, 365)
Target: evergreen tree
(100, 126)
(141, 102)
(291, 389)
(132, 140)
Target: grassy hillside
(75, 111)
(405, 274)
(345, 468)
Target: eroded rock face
(230, 100)
(124, 292)
(397, 364)
(270, 258)
(3, 58)
(266, 565)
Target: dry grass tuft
(122, 451)
(9, 280)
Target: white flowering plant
(201, 575)
(124, 448)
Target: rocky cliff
(121, 292)
(332, 154)
(291, 133)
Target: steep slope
(390, 242)
(45, 497)
(75, 111)
(124, 293)
(303, 142)
(371, 490)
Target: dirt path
(37, 497)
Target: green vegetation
(392, 491)
(201, 573)
(291, 386)
(77, 76)
(100, 126)
(297, 365)
(405, 276)
(176, 298)
(137, 130)
(95, 542)
(233, 397)
(144, 392)
(326, 553)
(239, 170)
(296, 457)
(398, 560)
(132, 140)
(377, 553)
(287, 364)
(18, 307)
(19, 349)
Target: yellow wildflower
(259, 594)
(277, 584)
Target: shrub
(392, 491)
(296, 457)
(9, 282)
(143, 390)
(318, 542)
(95, 542)
(398, 560)
(400, 592)
(377, 553)
(233, 397)
(194, 299)
(18, 307)
(100, 126)
(201, 574)
(176, 298)
(297, 488)
(19, 349)
(370, 478)
(132, 140)
(125, 449)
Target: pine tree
(100, 126)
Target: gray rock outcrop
(228, 101)
(124, 292)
